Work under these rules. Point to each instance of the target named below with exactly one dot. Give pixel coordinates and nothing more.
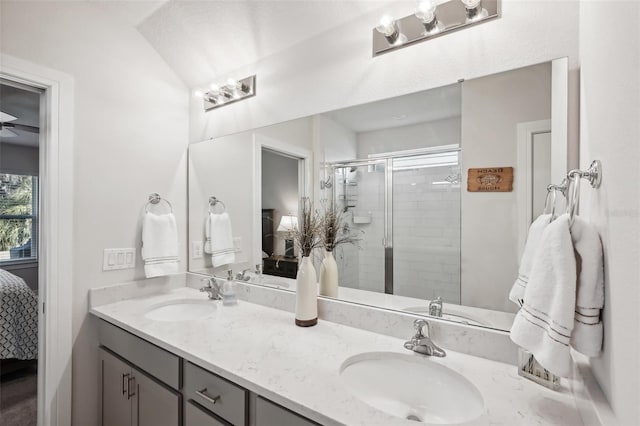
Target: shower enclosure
(405, 208)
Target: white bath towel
(587, 331)
(544, 323)
(159, 244)
(528, 255)
(219, 239)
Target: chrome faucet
(435, 307)
(243, 276)
(213, 289)
(422, 343)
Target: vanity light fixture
(232, 91)
(431, 18)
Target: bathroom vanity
(169, 356)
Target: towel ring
(213, 201)
(155, 199)
(572, 204)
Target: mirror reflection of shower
(407, 206)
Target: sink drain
(414, 418)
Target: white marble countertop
(262, 350)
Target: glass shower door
(359, 191)
(426, 226)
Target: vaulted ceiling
(204, 39)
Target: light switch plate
(237, 244)
(196, 250)
(118, 258)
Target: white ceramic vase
(329, 275)
(306, 294)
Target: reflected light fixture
(232, 91)
(426, 13)
(431, 19)
(474, 10)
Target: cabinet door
(116, 406)
(270, 414)
(153, 403)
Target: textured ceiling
(204, 39)
(429, 105)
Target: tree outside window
(18, 217)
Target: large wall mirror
(440, 186)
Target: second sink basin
(412, 387)
(181, 310)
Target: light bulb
(198, 94)
(214, 87)
(426, 11)
(232, 83)
(471, 4)
(386, 25)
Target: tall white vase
(329, 275)
(306, 294)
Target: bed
(18, 318)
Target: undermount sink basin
(181, 310)
(412, 387)
(448, 314)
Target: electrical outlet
(119, 258)
(237, 244)
(196, 252)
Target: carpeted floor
(18, 398)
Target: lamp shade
(288, 224)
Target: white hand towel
(587, 332)
(219, 242)
(544, 323)
(159, 244)
(528, 255)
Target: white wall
(610, 132)
(416, 136)
(131, 133)
(492, 107)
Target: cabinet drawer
(159, 363)
(270, 414)
(216, 394)
(196, 416)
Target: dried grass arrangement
(335, 229)
(307, 235)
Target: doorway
(20, 224)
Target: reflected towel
(219, 239)
(528, 255)
(159, 244)
(587, 332)
(545, 321)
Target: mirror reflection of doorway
(20, 108)
(280, 198)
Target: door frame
(305, 161)
(55, 300)
(524, 174)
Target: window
(18, 217)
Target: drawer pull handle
(203, 394)
(125, 382)
(129, 387)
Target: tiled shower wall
(426, 232)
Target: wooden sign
(490, 179)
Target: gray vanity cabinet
(269, 414)
(116, 402)
(131, 398)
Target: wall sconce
(232, 91)
(431, 20)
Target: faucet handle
(230, 274)
(419, 324)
